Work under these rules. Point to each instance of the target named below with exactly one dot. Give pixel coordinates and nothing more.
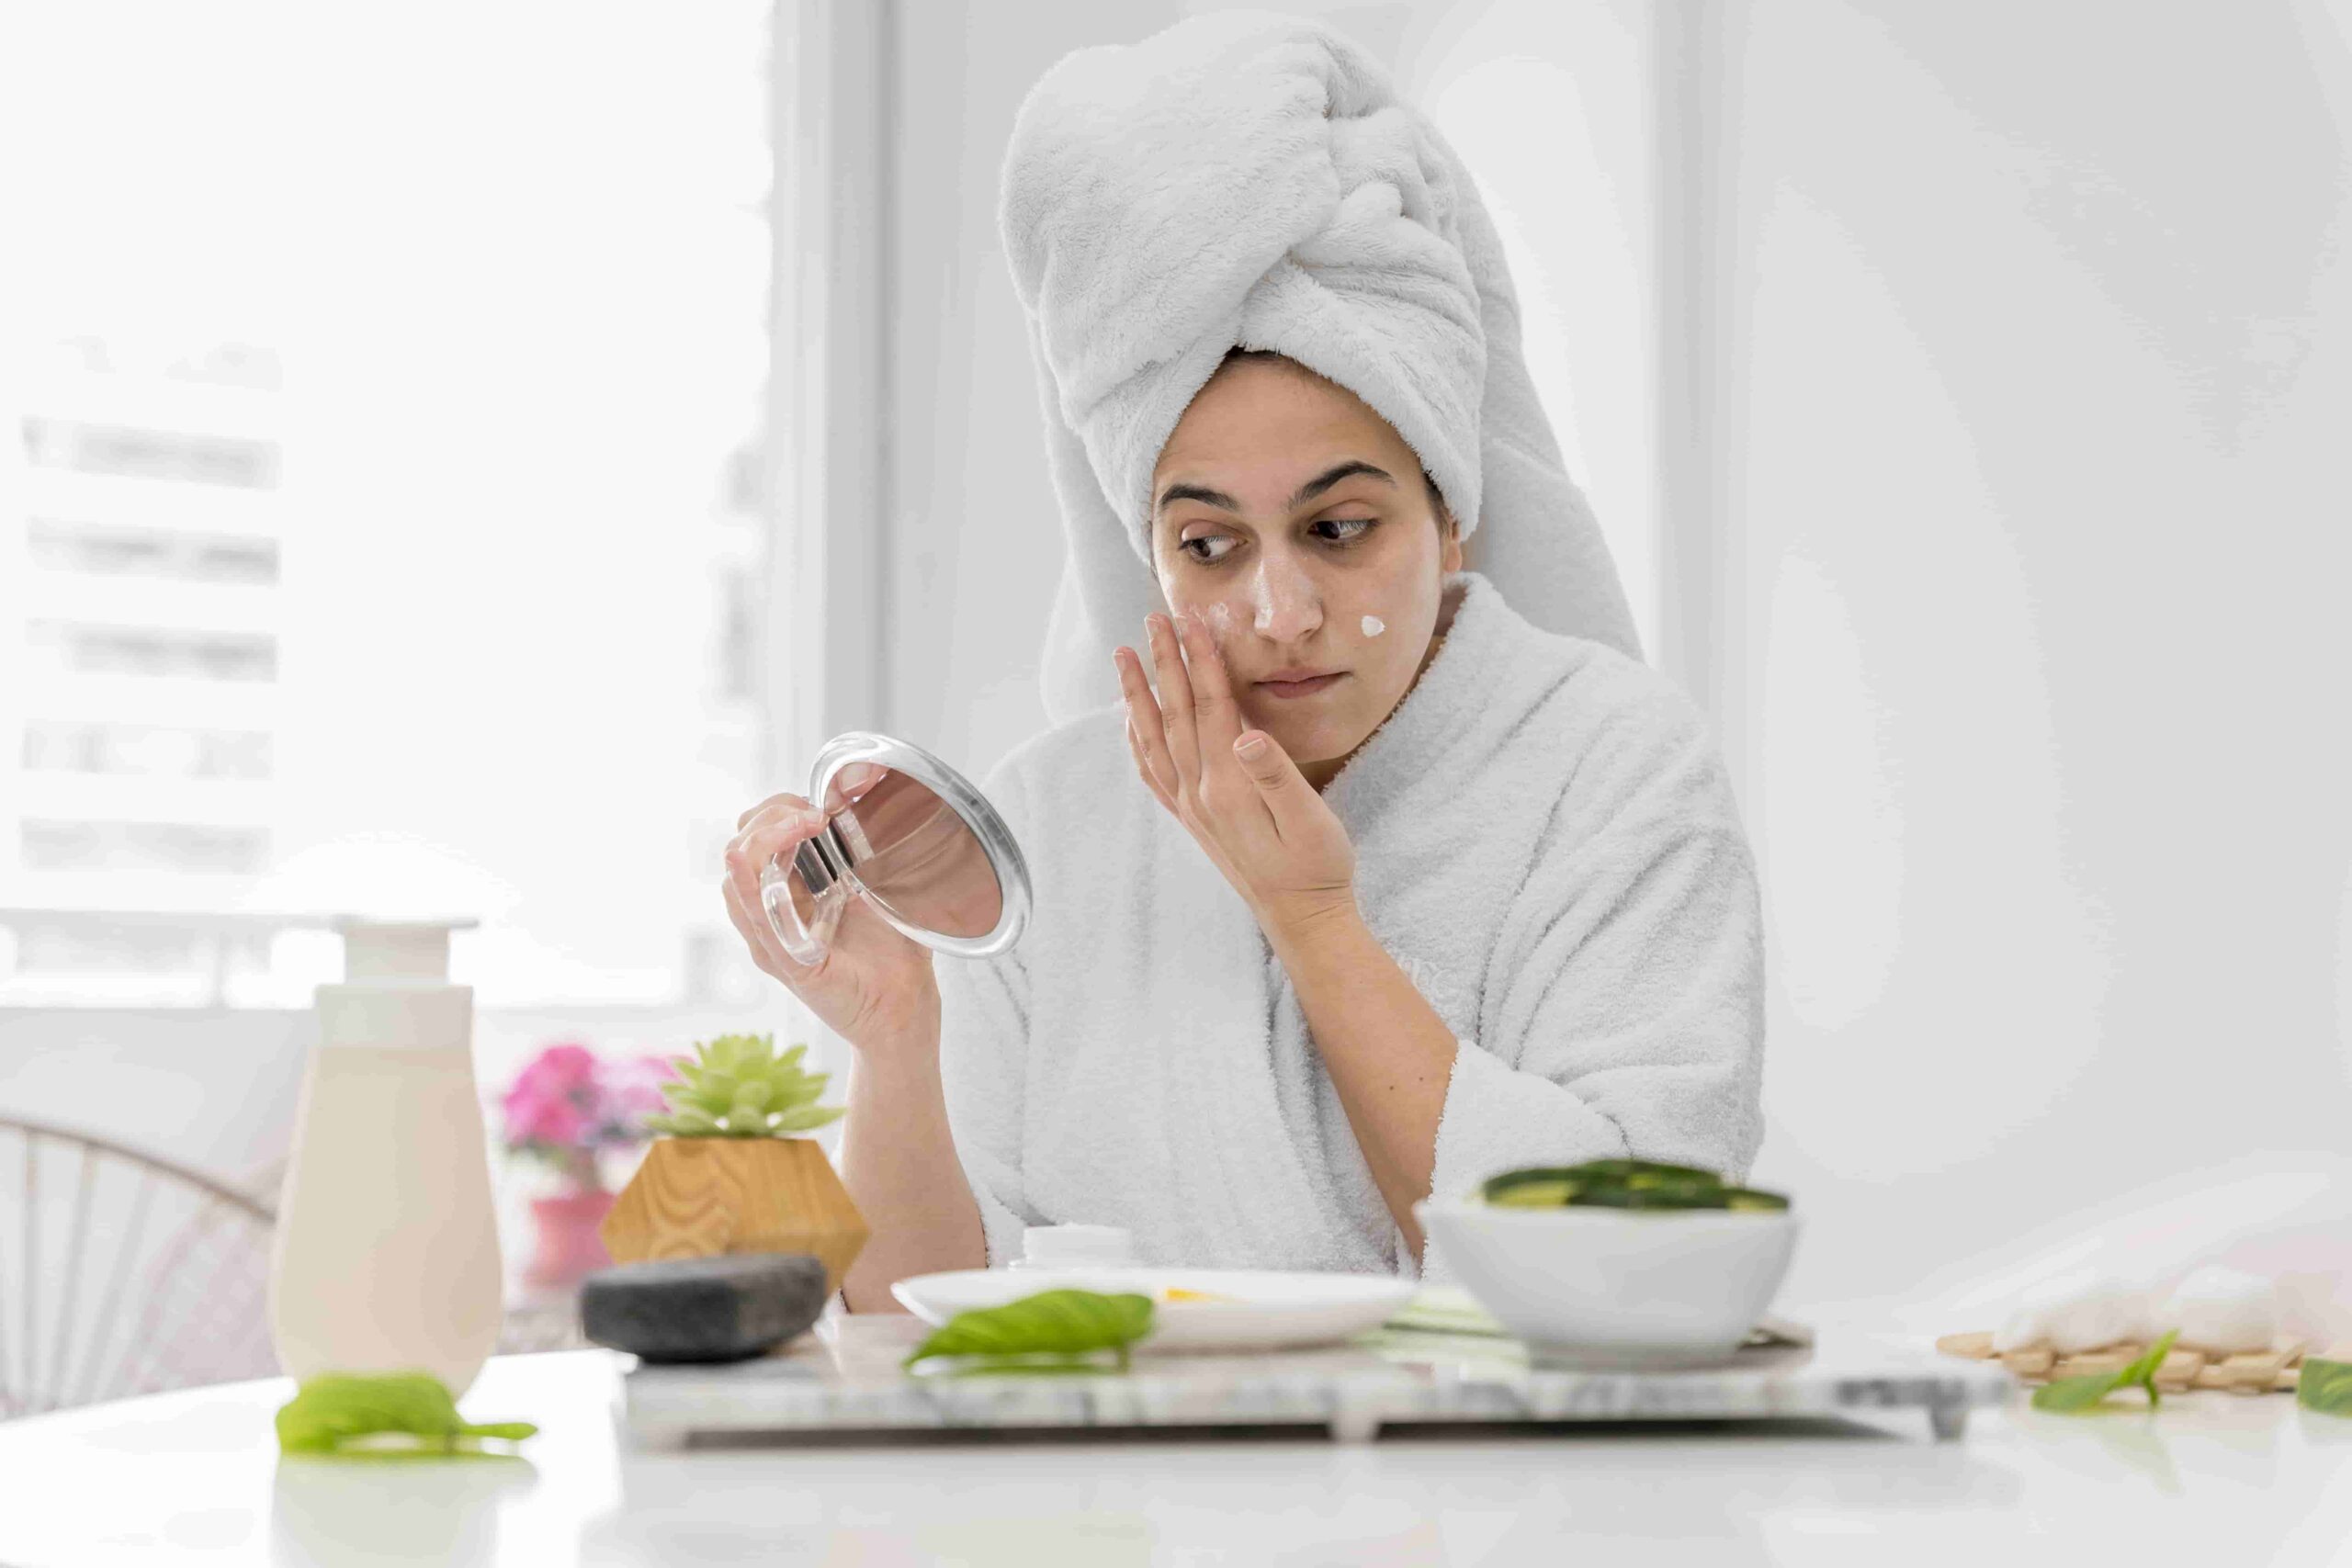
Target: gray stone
(703, 1309)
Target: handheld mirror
(911, 836)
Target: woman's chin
(1311, 741)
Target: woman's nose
(1284, 604)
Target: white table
(195, 1477)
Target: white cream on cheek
(1373, 625)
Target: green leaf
(731, 1053)
(1061, 1322)
(334, 1409)
(2325, 1386)
(2143, 1370)
(736, 1086)
(2070, 1395)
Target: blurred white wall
(2037, 372)
(975, 545)
(2030, 364)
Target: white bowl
(1605, 1284)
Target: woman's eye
(1347, 531)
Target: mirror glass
(916, 857)
(912, 836)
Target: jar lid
(1057, 1245)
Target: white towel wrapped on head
(1249, 178)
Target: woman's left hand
(1263, 825)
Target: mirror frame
(996, 839)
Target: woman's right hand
(875, 984)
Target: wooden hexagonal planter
(696, 1197)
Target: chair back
(123, 1272)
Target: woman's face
(1294, 519)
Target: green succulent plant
(737, 1086)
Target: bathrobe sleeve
(1626, 1005)
(983, 1063)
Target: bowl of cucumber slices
(1618, 1259)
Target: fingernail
(1250, 746)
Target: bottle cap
(397, 950)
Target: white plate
(1269, 1308)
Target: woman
(1368, 886)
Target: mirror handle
(806, 942)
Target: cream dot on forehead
(1373, 625)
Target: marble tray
(845, 1377)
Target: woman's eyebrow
(1196, 492)
(1332, 476)
(1306, 493)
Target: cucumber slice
(1536, 1195)
(1624, 1184)
(1617, 1195)
(1495, 1186)
(1676, 1198)
(1643, 1172)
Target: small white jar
(1076, 1246)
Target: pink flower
(635, 1086)
(559, 1120)
(553, 1097)
(567, 1102)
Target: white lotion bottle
(386, 1257)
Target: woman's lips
(1302, 688)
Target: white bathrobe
(1546, 842)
